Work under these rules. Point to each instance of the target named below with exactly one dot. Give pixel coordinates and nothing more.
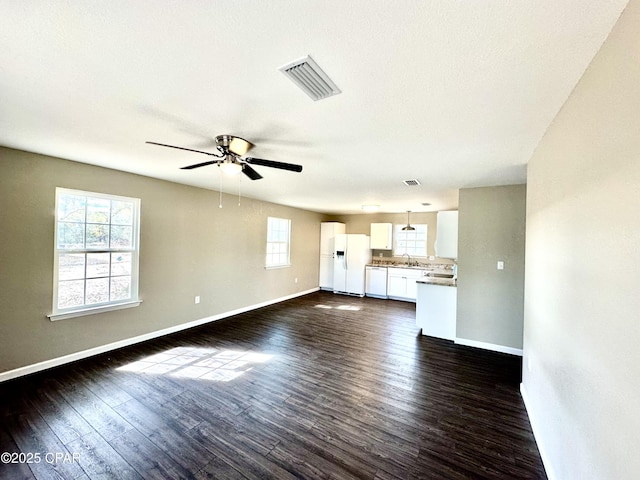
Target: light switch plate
(500, 265)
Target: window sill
(92, 311)
(274, 267)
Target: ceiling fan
(230, 157)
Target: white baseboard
(54, 362)
(489, 346)
(534, 427)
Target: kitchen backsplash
(402, 261)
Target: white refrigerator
(352, 253)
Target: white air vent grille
(411, 183)
(310, 78)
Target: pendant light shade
(408, 228)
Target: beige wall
(581, 375)
(491, 301)
(360, 223)
(189, 247)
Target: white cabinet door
(447, 235)
(326, 272)
(401, 283)
(381, 236)
(396, 283)
(328, 231)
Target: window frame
(398, 233)
(270, 241)
(92, 308)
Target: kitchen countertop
(435, 269)
(443, 282)
(428, 266)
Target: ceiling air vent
(310, 78)
(411, 183)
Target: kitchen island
(436, 307)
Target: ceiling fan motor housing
(235, 145)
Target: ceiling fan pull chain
(220, 204)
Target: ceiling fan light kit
(230, 167)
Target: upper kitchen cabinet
(381, 238)
(328, 231)
(447, 235)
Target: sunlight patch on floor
(216, 364)
(339, 307)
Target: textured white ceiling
(453, 93)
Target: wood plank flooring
(321, 387)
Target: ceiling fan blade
(182, 148)
(270, 163)
(250, 172)
(198, 165)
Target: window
(411, 242)
(96, 253)
(278, 239)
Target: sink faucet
(408, 259)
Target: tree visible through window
(96, 260)
(278, 240)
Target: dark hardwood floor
(322, 386)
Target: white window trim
(396, 253)
(276, 267)
(288, 261)
(93, 310)
(134, 300)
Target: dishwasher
(376, 281)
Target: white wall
(581, 370)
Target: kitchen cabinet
(436, 310)
(376, 282)
(447, 235)
(381, 236)
(401, 283)
(328, 232)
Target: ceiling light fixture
(230, 166)
(408, 228)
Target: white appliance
(328, 232)
(352, 253)
(376, 281)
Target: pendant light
(408, 228)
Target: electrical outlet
(197, 299)
(500, 265)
